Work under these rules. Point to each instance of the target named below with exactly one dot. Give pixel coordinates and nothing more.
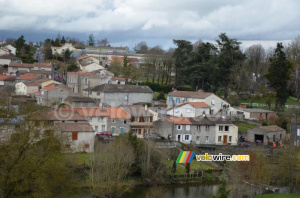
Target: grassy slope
(278, 196)
(290, 101)
(244, 126)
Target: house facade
(190, 109)
(26, 88)
(62, 49)
(217, 105)
(254, 114)
(79, 102)
(266, 134)
(6, 59)
(78, 81)
(119, 121)
(116, 95)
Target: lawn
(243, 126)
(278, 196)
(290, 101)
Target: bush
(161, 96)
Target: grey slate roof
(117, 88)
(80, 99)
(136, 110)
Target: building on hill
(266, 134)
(118, 121)
(80, 101)
(6, 59)
(116, 95)
(217, 105)
(253, 114)
(62, 49)
(78, 81)
(189, 109)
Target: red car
(105, 133)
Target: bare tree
(256, 55)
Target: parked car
(104, 138)
(105, 133)
(245, 144)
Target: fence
(272, 105)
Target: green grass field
(243, 126)
(290, 101)
(297, 195)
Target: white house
(62, 49)
(190, 109)
(217, 105)
(7, 59)
(90, 67)
(26, 88)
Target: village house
(26, 88)
(141, 120)
(15, 68)
(45, 82)
(53, 94)
(8, 49)
(217, 105)
(253, 114)
(62, 49)
(79, 101)
(7, 80)
(78, 81)
(266, 134)
(200, 130)
(28, 77)
(118, 80)
(189, 109)
(116, 95)
(76, 128)
(6, 59)
(118, 121)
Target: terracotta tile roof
(49, 87)
(28, 76)
(190, 94)
(74, 127)
(42, 80)
(31, 84)
(179, 120)
(271, 128)
(37, 93)
(7, 78)
(118, 78)
(117, 113)
(20, 65)
(42, 64)
(54, 47)
(82, 73)
(54, 85)
(65, 115)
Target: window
(96, 129)
(187, 137)
(274, 138)
(102, 127)
(198, 138)
(98, 93)
(90, 119)
(62, 91)
(188, 127)
(170, 99)
(280, 136)
(211, 111)
(125, 121)
(179, 127)
(219, 138)
(176, 110)
(213, 102)
(226, 128)
(188, 110)
(177, 100)
(206, 139)
(100, 119)
(230, 138)
(86, 81)
(60, 100)
(86, 146)
(113, 129)
(207, 128)
(42, 92)
(220, 128)
(113, 120)
(126, 98)
(74, 136)
(198, 128)
(121, 130)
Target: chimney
(146, 107)
(200, 91)
(181, 118)
(174, 90)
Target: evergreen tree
(19, 44)
(91, 40)
(63, 40)
(279, 75)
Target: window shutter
(74, 136)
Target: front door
(178, 138)
(224, 139)
(198, 140)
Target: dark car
(103, 138)
(105, 133)
(245, 144)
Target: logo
(185, 157)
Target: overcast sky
(158, 22)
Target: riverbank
(296, 195)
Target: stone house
(266, 134)
(217, 105)
(7, 59)
(200, 130)
(189, 109)
(7, 80)
(78, 81)
(141, 122)
(15, 68)
(54, 93)
(116, 95)
(118, 121)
